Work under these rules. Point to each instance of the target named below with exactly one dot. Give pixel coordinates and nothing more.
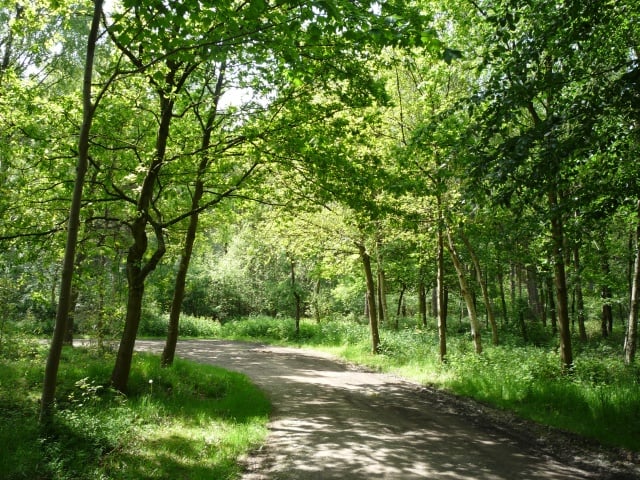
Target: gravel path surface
(334, 421)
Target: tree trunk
(434, 300)
(137, 273)
(296, 296)
(173, 328)
(631, 340)
(382, 297)
(533, 297)
(88, 109)
(607, 313)
(169, 351)
(485, 292)
(578, 292)
(545, 304)
(371, 299)
(512, 290)
(503, 300)
(137, 269)
(553, 312)
(440, 289)
(466, 295)
(566, 353)
(316, 301)
(422, 302)
(400, 312)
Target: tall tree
(370, 297)
(631, 339)
(466, 293)
(296, 46)
(73, 225)
(483, 286)
(207, 125)
(538, 115)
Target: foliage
(190, 420)
(154, 324)
(316, 129)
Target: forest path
(335, 421)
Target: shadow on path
(333, 422)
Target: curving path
(333, 421)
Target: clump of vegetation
(597, 399)
(187, 421)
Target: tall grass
(599, 399)
(189, 421)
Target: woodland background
(432, 167)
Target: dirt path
(333, 421)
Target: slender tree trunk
(422, 302)
(553, 312)
(434, 300)
(371, 299)
(73, 227)
(440, 289)
(483, 286)
(607, 313)
(466, 295)
(545, 291)
(169, 351)
(578, 291)
(173, 329)
(512, 290)
(533, 297)
(630, 262)
(382, 297)
(566, 352)
(316, 301)
(503, 300)
(383, 311)
(400, 297)
(296, 296)
(403, 287)
(631, 341)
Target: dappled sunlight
(333, 422)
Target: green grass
(189, 421)
(598, 400)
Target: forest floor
(333, 420)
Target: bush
(154, 324)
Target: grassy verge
(599, 400)
(189, 421)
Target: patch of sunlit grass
(188, 421)
(598, 399)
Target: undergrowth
(188, 421)
(598, 399)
